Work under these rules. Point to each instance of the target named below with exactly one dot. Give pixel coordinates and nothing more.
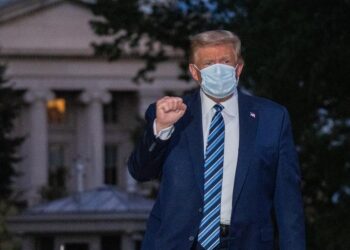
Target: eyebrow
(208, 60)
(205, 61)
(225, 57)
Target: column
(94, 100)
(38, 142)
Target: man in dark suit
(229, 170)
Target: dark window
(76, 246)
(138, 244)
(57, 168)
(111, 111)
(57, 173)
(110, 242)
(111, 164)
(44, 243)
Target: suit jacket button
(191, 238)
(200, 210)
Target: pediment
(61, 28)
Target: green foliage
(9, 107)
(296, 53)
(7, 241)
(156, 25)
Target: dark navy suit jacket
(267, 208)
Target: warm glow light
(56, 110)
(59, 104)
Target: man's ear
(239, 69)
(194, 72)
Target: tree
(295, 52)
(9, 107)
(305, 68)
(156, 26)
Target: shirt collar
(230, 105)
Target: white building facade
(80, 110)
(79, 120)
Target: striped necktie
(209, 229)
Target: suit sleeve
(145, 162)
(287, 198)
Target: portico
(78, 106)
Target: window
(111, 111)
(110, 242)
(44, 243)
(111, 164)
(56, 165)
(76, 246)
(138, 244)
(57, 111)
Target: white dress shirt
(231, 119)
(163, 134)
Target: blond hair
(212, 38)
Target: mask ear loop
(237, 77)
(236, 73)
(195, 66)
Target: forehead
(214, 52)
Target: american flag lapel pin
(252, 114)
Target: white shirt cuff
(165, 133)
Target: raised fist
(169, 111)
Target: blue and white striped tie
(209, 229)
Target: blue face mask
(219, 80)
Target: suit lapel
(194, 135)
(248, 120)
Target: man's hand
(169, 111)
